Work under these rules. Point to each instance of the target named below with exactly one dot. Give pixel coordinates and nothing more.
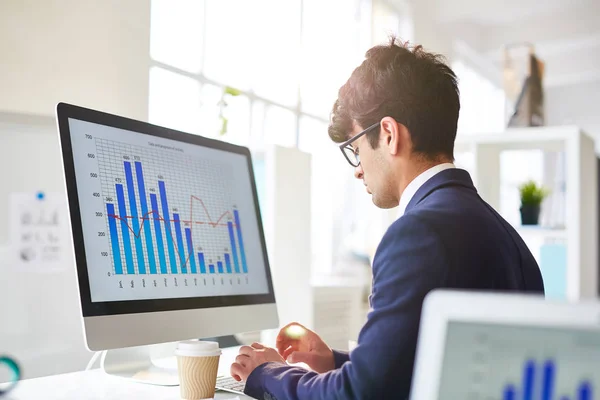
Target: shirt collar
(419, 181)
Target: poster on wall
(38, 231)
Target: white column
(287, 217)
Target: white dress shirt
(416, 183)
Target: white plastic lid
(197, 348)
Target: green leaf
(224, 123)
(232, 91)
(532, 194)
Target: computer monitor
(167, 232)
(475, 345)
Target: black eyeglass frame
(347, 144)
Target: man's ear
(392, 135)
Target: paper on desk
(38, 232)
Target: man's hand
(251, 357)
(297, 343)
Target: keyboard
(228, 384)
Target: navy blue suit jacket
(447, 238)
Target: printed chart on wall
(39, 237)
(164, 219)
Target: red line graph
(160, 218)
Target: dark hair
(414, 87)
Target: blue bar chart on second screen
(163, 218)
(539, 383)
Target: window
(288, 60)
(331, 48)
(174, 100)
(176, 37)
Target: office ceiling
(565, 33)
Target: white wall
(39, 306)
(88, 52)
(575, 105)
(93, 53)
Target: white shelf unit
(544, 233)
(580, 233)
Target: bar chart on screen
(539, 383)
(165, 216)
(520, 362)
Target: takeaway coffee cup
(197, 366)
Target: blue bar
(158, 231)
(168, 231)
(146, 218)
(228, 263)
(125, 229)
(139, 252)
(240, 240)
(548, 380)
(220, 266)
(180, 248)
(202, 264)
(585, 391)
(233, 248)
(188, 236)
(528, 379)
(211, 268)
(114, 238)
(509, 393)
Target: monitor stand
(137, 364)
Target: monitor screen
(162, 220)
(486, 361)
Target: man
(396, 117)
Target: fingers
(242, 359)
(292, 324)
(301, 357)
(286, 353)
(284, 340)
(292, 332)
(247, 350)
(284, 332)
(236, 371)
(283, 345)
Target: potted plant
(532, 196)
(228, 91)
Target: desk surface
(97, 385)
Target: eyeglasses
(349, 152)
